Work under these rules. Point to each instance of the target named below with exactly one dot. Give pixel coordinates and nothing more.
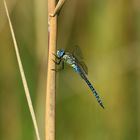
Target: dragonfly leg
(56, 56)
(56, 70)
(61, 68)
(62, 65)
(57, 63)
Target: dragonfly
(72, 59)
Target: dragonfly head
(60, 53)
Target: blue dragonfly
(74, 59)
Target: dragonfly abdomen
(92, 89)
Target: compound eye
(60, 53)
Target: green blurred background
(108, 33)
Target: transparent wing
(83, 65)
(76, 52)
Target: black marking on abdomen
(92, 88)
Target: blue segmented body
(81, 73)
(92, 89)
(73, 62)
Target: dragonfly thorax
(69, 59)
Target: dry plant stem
(50, 92)
(57, 8)
(27, 93)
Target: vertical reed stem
(50, 92)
